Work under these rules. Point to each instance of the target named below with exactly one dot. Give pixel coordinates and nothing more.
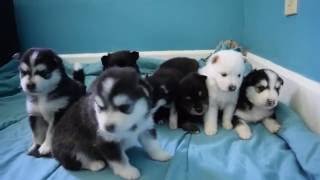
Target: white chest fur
(253, 115)
(41, 106)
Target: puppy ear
(105, 59)
(281, 81)
(16, 55)
(135, 55)
(201, 77)
(214, 59)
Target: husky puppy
(258, 98)
(225, 70)
(165, 82)
(192, 101)
(121, 59)
(49, 93)
(101, 126)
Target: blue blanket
(293, 153)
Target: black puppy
(192, 101)
(165, 83)
(121, 59)
(49, 93)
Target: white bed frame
(299, 92)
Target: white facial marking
(120, 99)
(108, 84)
(33, 57)
(263, 83)
(24, 67)
(40, 67)
(200, 93)
(99, 101)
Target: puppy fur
(258, 98)
(165, 82)
(49, 93)
(100, 127)
(224, 71)
(192, 101)
(121, 59)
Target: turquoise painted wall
(106, 25)
(293, 42)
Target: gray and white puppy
(49, 93)
(100, 127)
(259, 94)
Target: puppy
(258, 98)
(225, 70)
(49, 93)
(165, 83)
(192, 101)
(121, 59)
(100, 127)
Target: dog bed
(293, 153)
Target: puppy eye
(224, 74)
(125, 108)
(260, 88)
(102, 108)
(45, 74)
(23, 73)
(239, 75)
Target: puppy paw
(209, 130)
(33, 150)
(227, 125)
(96, 165)
(173, 121)
(161, 155)
(128, 172)
(44, 149)
(272, 125)
(243, 131)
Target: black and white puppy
(49, 93)
(100, 127)
(121, 59)
(258, 98)
(192, 101)
(165, 82)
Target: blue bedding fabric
(293, 153)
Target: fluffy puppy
(258, 98)
(49, 93)
(192, 101)
(121, 59)
(225, 70)
(165, 82)
(100, 127)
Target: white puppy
(225, 70)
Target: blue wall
(106, 25)
(293, 42)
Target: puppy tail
(78, 73)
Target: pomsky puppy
(192, 101)
(49, 93)
(165, 81)
(224, 71)
(101, 126)
(121, 59)
(259, 94)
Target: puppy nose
(31, 86)
(232, 88)
(270, 102)
(198, 109)
(110, 128)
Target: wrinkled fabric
(293, 153)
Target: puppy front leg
(242, 128)
(118, 160)
(45, 148)
(148, 140)
(227, 116)
(173, 117)
(211, 121)
(39, 128)
(272, 124)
